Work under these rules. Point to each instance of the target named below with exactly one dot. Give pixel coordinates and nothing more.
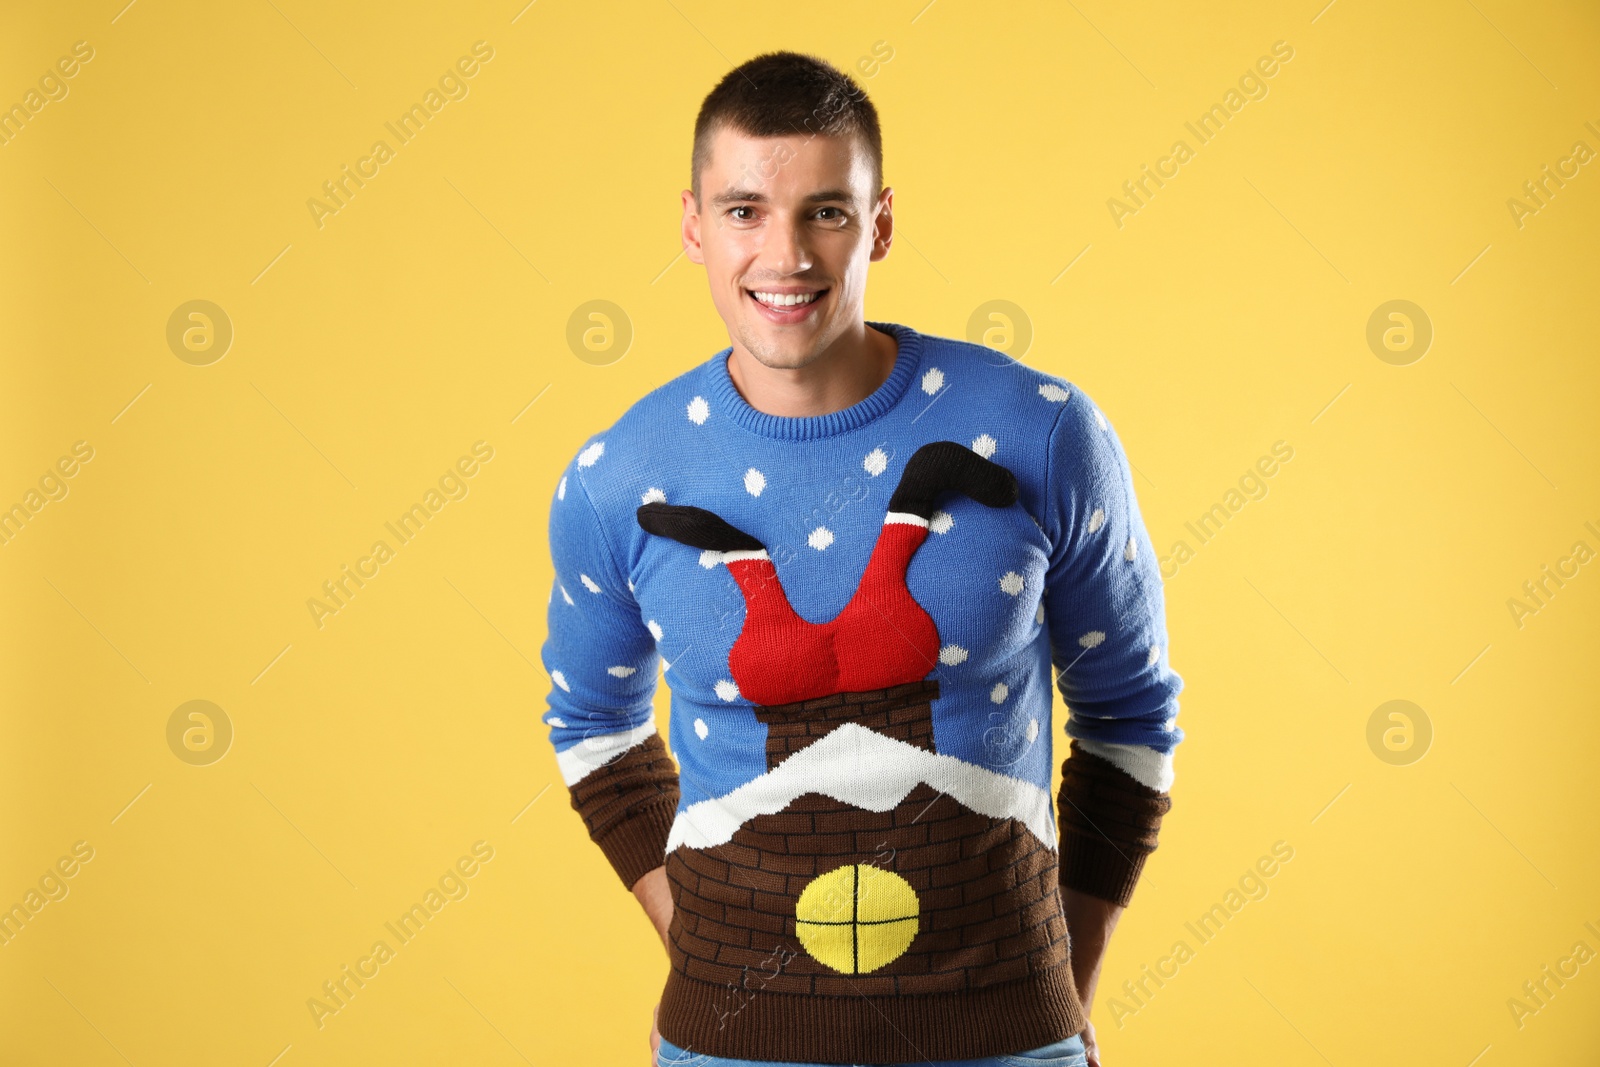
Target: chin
(780, 351)
(781, 357)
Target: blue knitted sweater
(857, 615)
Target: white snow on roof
(864, 769)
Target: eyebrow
(751, 196)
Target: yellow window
(857, 918)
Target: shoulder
(1033, 398)
(1041, 425)
(1068, 432)
(617, 465)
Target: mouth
(786, 306)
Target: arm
(1090, 921)
(602, 661)
(1106, 615)
(655, 897)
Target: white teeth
(785, 299)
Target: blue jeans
(1065, 1053)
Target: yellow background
(369, 754)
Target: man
(856, 585)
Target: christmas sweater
(857, 615)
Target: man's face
(792, 217)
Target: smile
(785, 299)
(786, 308)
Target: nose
(784, 250)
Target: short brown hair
(782, 93)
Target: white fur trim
(711, 557)
(905, 517)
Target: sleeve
(1106, 617)
(602, 660)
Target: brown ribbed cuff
(628, 804)
(1094, 866)
(1109, 825)
(638, 844)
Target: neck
(846, 373)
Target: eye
(840, 213)
(741, 207)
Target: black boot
(942, 466)
(695, 527)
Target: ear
(695, 527)
(691, 229)
(883, 225)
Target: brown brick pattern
(901, 712)
(988, 890)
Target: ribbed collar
(813, 427)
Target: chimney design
(897, 869)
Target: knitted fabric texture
(857, 615)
